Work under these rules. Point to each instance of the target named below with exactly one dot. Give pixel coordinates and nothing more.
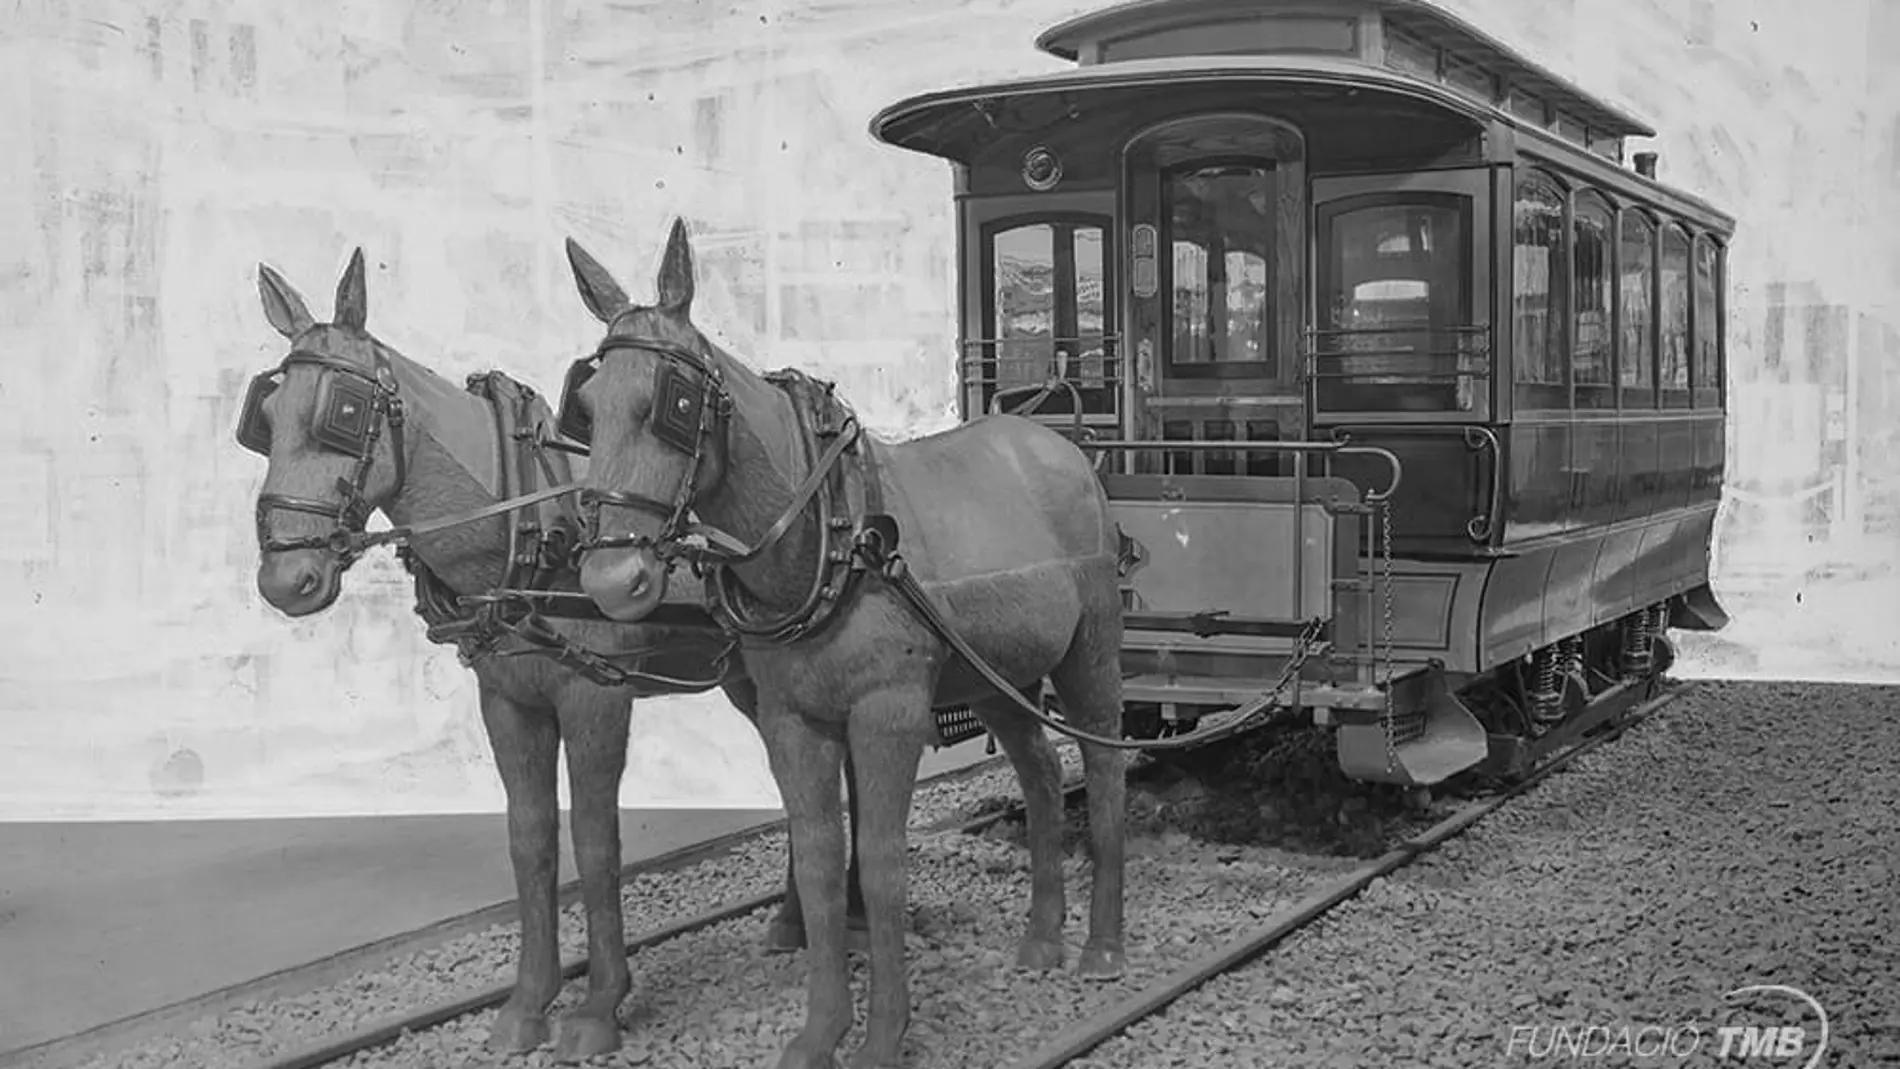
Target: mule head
(328, 420)
(652, 406)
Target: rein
(872, 549)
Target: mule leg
(525, 742)
(806, 758)
(594, 735)
(1088, 682)
(887, 742)
(786, 931)
(1040, 772)
(857, 930)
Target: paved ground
(100, 921)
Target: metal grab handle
(1338, 447)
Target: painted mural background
(152, 153)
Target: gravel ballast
(249, 1033)
(1745, 835)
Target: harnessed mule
(349, 426)
(768, 483)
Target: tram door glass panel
(1394, 305)
(1220, 236)
(1047, 312)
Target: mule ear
(676, 270)
(599, 292)
(352, 295)
(282, 304)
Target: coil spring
(1572, 651)
(1546, 697)
(1638, 642)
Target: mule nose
(292, 583)
(625, 584)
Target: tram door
(1216, 247)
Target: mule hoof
(1102, 962)
(798, 1057)
(1040, 954)
(515, 1033)
(865, 1058)
(579, 1038)
(784, 937)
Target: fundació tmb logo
(1798, 1031)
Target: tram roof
(956, 124)
(1361, 28)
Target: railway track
(1210, 954)
(96, 1046)
(1085, 1035)
(396, 1025)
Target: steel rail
(1090, 1032)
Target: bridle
(691, 409)
(352, 407)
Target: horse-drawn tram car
(1406, 391)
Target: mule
(324, 421)
(1004, 523)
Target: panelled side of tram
(1617, 419)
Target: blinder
(345, 413)
(253, 429)
(572, 422)
(683, 385)
(346, 405)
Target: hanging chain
(1391, 745)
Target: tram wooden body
(1266, 259)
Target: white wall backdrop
(152, 153)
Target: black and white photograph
(981, 534)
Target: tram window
(1637, 361)
(1592, 352)
(1220, 234)
(1395, 304)
(1046, 308)
(1706, 367)
(1538, 293)
(1673, 370)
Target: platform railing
(1091, 363)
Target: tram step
(1432, 738)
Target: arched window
(1219, 223)
(1538, 272)
(1672, 375)
(1636, 360)
(1593, 293)
(1705, 369)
